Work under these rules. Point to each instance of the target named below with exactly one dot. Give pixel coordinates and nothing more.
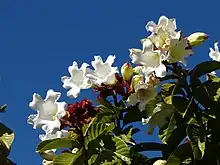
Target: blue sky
(39, 39)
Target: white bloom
(164, 23)
(142, 95)
(149, 58)
(49, 111)
(177, 51)
(163, 31)
(77, 81)
(215, 54)
(104, 72)
(58, 134)
(160, 162)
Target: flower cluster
(136, 85)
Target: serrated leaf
(96, 130)
(67, 158)
(127, 137)
(105, 117)
(134, 130)
(122, 150)
(57, 144)
(92, 159)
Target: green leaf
(201, 93)
(57, 144)
(134, 130)
(133, 115)
(96, 130)
(122, 150)
(105, 103)
(177, 135)
(148, 146)
(184, 106)
(167, 92)
(5, 161)
(204, 68)
(170, 89)
(168, 131)
(197, 138)
(67, 158)
(127, 137)
(179, 155)
(6, 138)
(3, 107)
(160, 116)
(105, 157)
(105, 117)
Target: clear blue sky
(39, 39)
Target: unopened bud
(127, 71)
(137, 69)
(137, 79)
(143, 40)
(160, 162)
(197, 38)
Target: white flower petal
(143, 94)
(36, 102)
(58, 134)
(49, 126)
(163, 21)
(52, 96)
(49, 111)
(110, 60)
(61, 107)
(32, 120)
(151, 26)
(74, 91)
(160, 71)
(215, 54)
(104, 72)
(97, 62)
(216, 47)
(77, 81)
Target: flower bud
(137, 69)
(160, 162)
(127, 71)
(137, 79)
(143, 40)
(197, 38)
